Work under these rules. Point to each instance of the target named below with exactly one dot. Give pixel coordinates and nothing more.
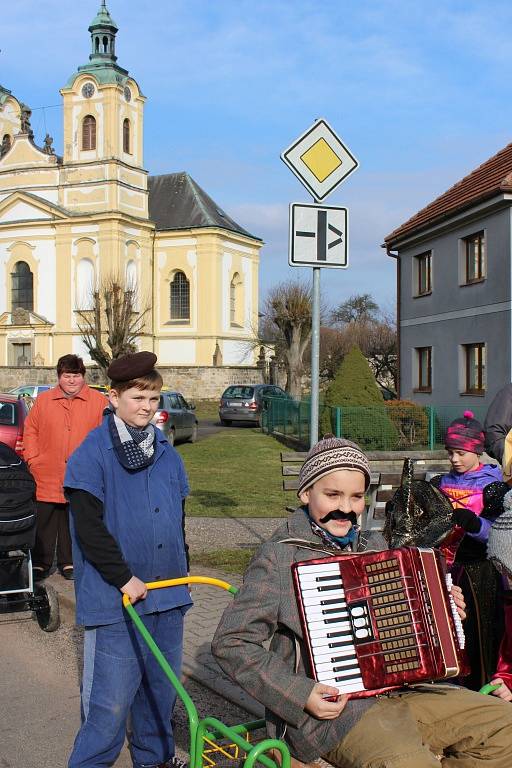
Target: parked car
(32, 390)
(13, 412)
(244, 402)
(100, 388)
(175, 417)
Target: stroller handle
(186, 580)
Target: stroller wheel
(47, 607)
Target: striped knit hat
(328, 455)
(465, 434)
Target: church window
(105, 45)
(97, 41)
(126, 135)
(6, 144)
(234, 299)
(85, 284)
(180, 297)
(88, 133)
(22, 287)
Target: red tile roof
(489, 179)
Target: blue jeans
(121, 678)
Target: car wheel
(171, 437)
(225, 422)
(193, 436)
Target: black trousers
(52, 528)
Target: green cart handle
(489, 688)
(198, 728)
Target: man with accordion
(342, 648)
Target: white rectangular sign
(318, 236)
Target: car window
(278, 392)
(183, 403)
(161, 403)
(245, 393)
(8, 414)
(174, 402)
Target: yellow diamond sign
(319, 159)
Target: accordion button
(361, 633)
(358, 611)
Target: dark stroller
(17, 536)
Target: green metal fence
(387, 427)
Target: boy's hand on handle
(135, 589)
(458, 599)
(467, 520)
(319, 706)
(503, 692)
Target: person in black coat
(498, 422)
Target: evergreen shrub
(411, 422)
(364, 417)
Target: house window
(474, 247)
(180, 297)
(88, 133)
(474, 368)
(22, 287)
(424, 273)
(126, 136)
(424, 369)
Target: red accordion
(379, 620)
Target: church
(69, 221)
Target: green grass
(207, 409)
(227, 560)
(235, 474)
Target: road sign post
(318, 233)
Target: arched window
(105, 44)
(22, 286)
(85, 284)
(126, 135)
(88, 133)
(234, 299)
(6, 144)
(180, 297)
(97, 44)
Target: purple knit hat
(465, 434)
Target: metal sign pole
(315, 358)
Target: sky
(418, 91)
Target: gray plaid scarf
(134, 447)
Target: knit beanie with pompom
(465, 434)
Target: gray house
(454, 277)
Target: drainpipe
(395, 255)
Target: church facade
(70, 221)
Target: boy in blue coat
(127, 487)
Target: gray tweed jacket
(265, 610)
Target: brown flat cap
(132, 366)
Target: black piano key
(327, 589)
(328, 578)
(349, 676)
(334, 601)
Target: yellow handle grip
(186, 580)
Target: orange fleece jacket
(55, 427)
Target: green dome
(103, 19)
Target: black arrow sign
(321, 235)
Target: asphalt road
(209, 427)
(40, 703)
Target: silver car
(244, 402)
(176, 418)
(32, 390)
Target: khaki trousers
(410, 730)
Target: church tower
(103, 130)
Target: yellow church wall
(10, 117)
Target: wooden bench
(386, 473)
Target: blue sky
(419, 92)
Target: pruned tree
(358, 308)
(113, 322)
(287, 318)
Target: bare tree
(356, 309)
(112, 324)
(287, 318)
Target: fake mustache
(338, 515)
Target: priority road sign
(319, 159)
(318, 236)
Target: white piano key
(323, 568)
(323, 600)
(319, 578)
(337, 626)
(321, 594)
(321, 653)
(349, 663)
